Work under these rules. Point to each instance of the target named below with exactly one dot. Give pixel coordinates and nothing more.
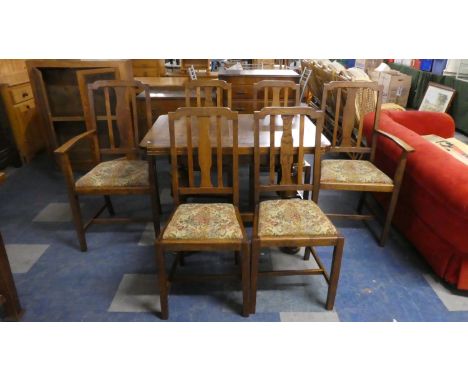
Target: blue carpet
(64, 284)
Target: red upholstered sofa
(432, 210)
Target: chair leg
(361, 203)
(306, 253)
(154, 195)
(109, 206)
(389, 217)
(335, 273)
(254, 258)
(307, 180)
(251, 188)
(154, 185)
(162, 278)
(77, 220)
(236, 257)
(245, 279)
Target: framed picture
(437, 98)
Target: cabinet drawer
(243, 106)
(242, 91)
(26, 106)
(21, 93)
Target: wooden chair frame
(222, 89)
(286, 153)
(277, 87)
(203, 150)
(127, 125)
(345, 139)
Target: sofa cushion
(425, 122)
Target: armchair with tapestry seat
(116, 133)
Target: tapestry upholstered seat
(196, 221)
(352, 171)
(116, 173)
(293, 217)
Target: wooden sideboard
(148, 68)
(8, 294)
(242, 85)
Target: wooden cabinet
(148, 68)
(18, 102)
(58, 86)
(21, 111)
(242, 85)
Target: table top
(157, 141)
(164, 82)
(258, 73)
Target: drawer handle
(24, 94)
(28, 107)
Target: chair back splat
(346, 103)
(114, 115)
(189, 129)
(277, 93)
(208, 93)
(287, 125)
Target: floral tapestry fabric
(293, 217)
(352, 171)
(194, 221)
(116, 173)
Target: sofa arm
(424, 122)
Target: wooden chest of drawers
(242, 85)
(21, 110)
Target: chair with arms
(290, 222)
(116, 133)
(203, 226)
(350, 101)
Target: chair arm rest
(73, 141)
(396, 140)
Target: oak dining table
(156, 142)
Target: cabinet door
(88, 76)
(30, 139)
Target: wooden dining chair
(277, 93)
(215, 93)
(290, 222)
(113, 131)
(203, 226)
(357, 174)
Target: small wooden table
(157, 142)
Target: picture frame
(437, 98)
